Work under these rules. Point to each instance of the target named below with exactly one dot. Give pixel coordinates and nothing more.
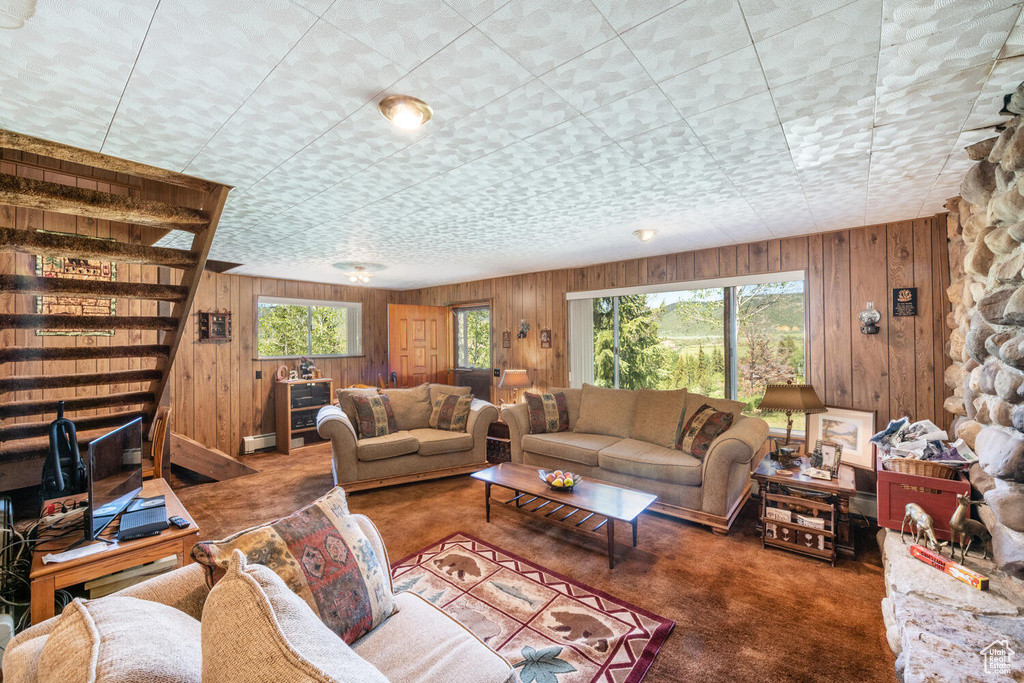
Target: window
(473, 338)
(289, 328)
(726, 338)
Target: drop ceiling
(559, 128)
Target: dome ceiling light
(405, 111)
(645, 235)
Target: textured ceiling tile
(476, 11)
(1004, 78)
(1014, 45)
(739, 118)
(722, 81)
(751, 148)
(40, 117)
(567, 140)
(907, 20)
(317, 7)
(542, 34)
(661, 142)
(949, 97)
(405, 31)
(768, 17)
(600, 76)
(634, 114)
(847, 85)
(528, 110)
(625, 14)
(814, 140)
(841, 36)
(687, 36)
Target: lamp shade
(792, 398)
(514, 379)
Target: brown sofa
(625, 437)
(415, 452)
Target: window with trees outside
(727, 338)
(290, 328)
(473, 337)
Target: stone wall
(986, 254)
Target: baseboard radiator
(258, 442)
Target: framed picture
(851, 429)
(506, 339)
(831, 455)
(545, 338)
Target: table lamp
(515, 380)
(791, 398)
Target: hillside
(789, 312)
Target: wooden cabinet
(297, 402)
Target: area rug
(553, 629)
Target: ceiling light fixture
(405, 111)
(645, 235)
(360, 275)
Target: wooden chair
(161, 428)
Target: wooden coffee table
(589, 507)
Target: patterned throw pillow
(548, 413)
(323, 556)
(451, 412)
(701, 429)
(375, 416)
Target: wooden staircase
(34, 376)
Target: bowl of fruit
(559, 480)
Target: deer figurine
(921, 525)
(962, 527)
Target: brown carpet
(742, 613)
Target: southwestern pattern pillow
(548, 412)
(374, 416)
(451, 412)
(323, 556)
(701, 429)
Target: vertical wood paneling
(903, 378)
(838, 347)
(870, 352)
(816, 313)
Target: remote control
(179, 522)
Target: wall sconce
(524, 327)
(870, 317)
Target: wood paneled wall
(217, 399)
(896, 372)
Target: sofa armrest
(481, 415)
(727, 463)
(516, 416)
(377, 542)
(332, 423)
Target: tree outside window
(292, 328)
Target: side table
(48, 578)
(499, 443)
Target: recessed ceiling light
(405, 111)
(645, 235)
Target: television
(115, 475)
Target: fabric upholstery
(375, 416)
(658, 416)
(650, 461)
(346, 404)
(422, 643)
(323, 556)
(121, 639)
(605, 411)
(727, 464)
(387, 446)
(435, 441)
(450, 389)
(572, 402)
(701, 429)
(411, 406)
(725, 405)
(548, 413)
(451, 412)
(280, 638)
(581, 448)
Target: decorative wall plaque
(904, 301)
(545, 338)
(506, 339)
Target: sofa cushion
(387, 446)
(118, 638)
(450, 389)
(422, 643)
(650, 461)
(701, 429)
(374, 416)
(581, 448)
(572, 402)
(694, 401)
(605, 411)
(658, 416)
(411, 406)
(547, 413)
(323, 556)
(439, 441)
(281, 639)
(346, 404)
(451, 412)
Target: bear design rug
(551, 628)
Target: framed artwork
(506, 339)
(851, 429)
(831, 456)
(545, 338)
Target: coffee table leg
(487, 499)
(635, 523)
(611, 543)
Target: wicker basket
(921, 468)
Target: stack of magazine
(923, 440)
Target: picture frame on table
(831, 456)
(851, 429)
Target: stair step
(52, 244)
(34, 382)
(40, 445)
(28, 430)
(27, 284)
(76, 201)
(38, 353)
(31, 321)
(24, 408)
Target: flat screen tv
(115, 475)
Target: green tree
(473, 338)
(282, 330)
(642, 359)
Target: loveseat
(419, 642)
(627, 437)
(416, 451)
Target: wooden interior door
(418, 344)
